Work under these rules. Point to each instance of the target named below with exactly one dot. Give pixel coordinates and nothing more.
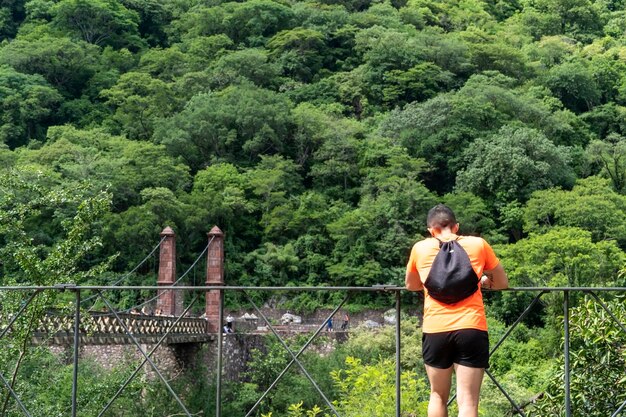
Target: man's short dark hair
(440, 217)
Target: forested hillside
(316, 135)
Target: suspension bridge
(168, 324)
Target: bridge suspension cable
(128, 273)
(206, 248)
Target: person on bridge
(451, 270)
(228, 327)
(346, 322)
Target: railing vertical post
(568, 405)
(76, 347)
(220, 341)
(398, 369)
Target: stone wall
(237, 352)
(170, 359)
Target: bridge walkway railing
(162, 328)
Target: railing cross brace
(295, 356)
(505, 336)
(147, 358)
(4, 332)
(158, 344)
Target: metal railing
(122, 323)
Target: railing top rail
(71, 287)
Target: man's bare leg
(468, 382)
(440, 382)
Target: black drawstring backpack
(451, 277)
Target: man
(455, 327)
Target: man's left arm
(412, 278)
(494, 277)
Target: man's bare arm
(495, 279)
(412, 281)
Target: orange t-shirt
(466, 314)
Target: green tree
(574, 84)
(165, 64)
(441, 129)
(273, 265)
(12, 13)
(382, 14)
(326, 18)
(563, 256)
(314, 127)
(268, 360)
(550, 50)
(29, 198)
(300, 52)
(597, 383)
(250, 23)
(238, 123)
(47, 384)
(383, 51)
(513, 163)
(27, 106)
(472, 213)
(382, 164)
(606, 119)
(301, 220)
(371, 241)
(66, 64)
(610, 155)
(126, 166)
(242, 66)
(608, 74)
(138, 101)
(135, 231)
(418, 83)
(580, 19)
(256, 20)
(220, 191)
(591, 205)
(343, 92)
(369, 390)
(335, 166)
(498, 56)
(453, 15)
(351, 5)
(154, 18)
(202, 50)
(99, 22)
(272, 181)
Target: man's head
(441, 217)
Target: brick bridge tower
(168, 301)
(214, 276)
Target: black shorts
(468, 347)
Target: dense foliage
(316, 135)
